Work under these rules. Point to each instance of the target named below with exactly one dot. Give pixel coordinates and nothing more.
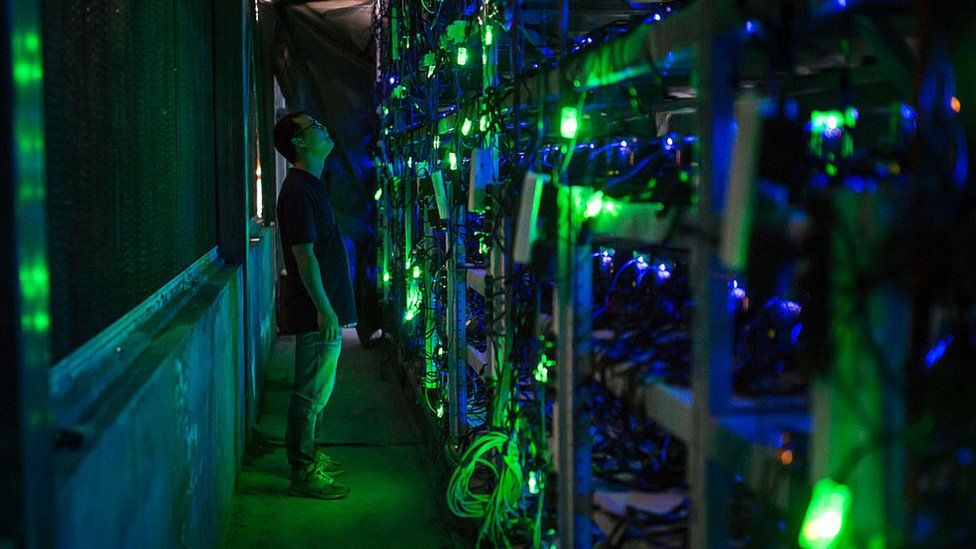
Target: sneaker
(328, 465)
(316, 484)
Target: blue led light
(657, 16)
(392, 80)
(623, 144)
(795, 332)
(751, 27)
(662, 273)
(936, 353)
(907, 112)
(842, 4)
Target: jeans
(316, 362)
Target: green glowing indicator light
(437, 141)
(378, 194)
(409, 315)
(568, 122)
(483, 123)
(440, 410)
(824, 520)
(533, 482)
(409, 161)
(598, 204)
(489, 36)
(595, 204)
(466, 126)
(452, 160)
(416, 272)
(831, 170)
(462, 56)
(683, 177)
(386, 277)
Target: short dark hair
(284, 131)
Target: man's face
(313, 136)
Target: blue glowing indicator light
(936, 353)
(751, 27)
(795, 332)
(663, 273)
(657, 16)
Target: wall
(262, 319)
(151, 459)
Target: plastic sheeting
(325, 63)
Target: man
(317, 298)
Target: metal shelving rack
(727, 436)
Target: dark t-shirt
(305, 216)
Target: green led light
(489, 36)
(378, 194)
(831, 170)
(483, 123)
(466, 126)
(409, 315)
(542, 369)
(462, 56)
(598, 204)
(437, 141)
(386, 277)
(568, 122)
(595, 204)
(825, 516)
(416, 272)
(440, 410)
(409, 161)
(452, 160)
(533, 482)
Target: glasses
(315, 124)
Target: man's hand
(329, 325)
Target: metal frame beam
(27, 492)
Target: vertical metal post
(264, 73)
(712, 324)
(499, 340)
(27, 497)
(457, 286)
(230, 129)
(574, 302)
(231, 152)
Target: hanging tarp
(325, 62)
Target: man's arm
(311, 275)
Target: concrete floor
(368, 426)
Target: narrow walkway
(367, 426)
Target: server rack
(705, 45)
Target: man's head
(298, 137)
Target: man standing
(317, 298)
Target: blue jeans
(316, 362)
